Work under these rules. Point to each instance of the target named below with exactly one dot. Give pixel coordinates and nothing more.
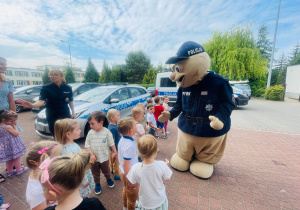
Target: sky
(107, 30)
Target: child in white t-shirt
(150, 175)
(37, 153)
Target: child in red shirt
(158, 109)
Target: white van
(165, 86)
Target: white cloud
(108, 30)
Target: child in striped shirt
(97, 142)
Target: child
(37, 153)
(98, 141)
(151, 121)
(66, 131)
(158, 109)
(127, 157)
(167, 108)
(150, 175)
(149, 101)
(12, 146)
(114, 115)
(138, 115)
(61, 179)
(144, 121)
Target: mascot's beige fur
(198, 149)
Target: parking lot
(260, 168)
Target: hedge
(275, 93)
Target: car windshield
(96, 94)
(245, 87)
(21, 89)
(74, 85)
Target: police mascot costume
(204, 105)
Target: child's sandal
(4, 206)
(10, 174)
(24, 169)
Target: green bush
(258, 87)
(275, 93)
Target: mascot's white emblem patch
(67, 99)
(209, 107)
(186, 93)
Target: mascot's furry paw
(164, 117)
(179, 164)
(201, 170)
(215, 123)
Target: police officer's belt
(194, 119)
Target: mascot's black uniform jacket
(210, 96)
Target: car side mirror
(114, 100)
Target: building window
(8, 73)
(21, 73)
(36, 74)
(22, 82)
(37, 82)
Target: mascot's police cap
(186, 50)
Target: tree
(91, 73)
(263, 43)
(45, 78)
(150, 77)
(116, 73)
(137, 64)
(69, 75)
(279, 72)
(294, 59)
(234, 54)
(105, 74)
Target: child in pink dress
(12, 146)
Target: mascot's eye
(177, 68)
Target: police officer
(57, 95)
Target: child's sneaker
(156, 137)
(168, 132)
(165, 136)
(97, 189)
(110, 183)
(117, 177)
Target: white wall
(293, 82)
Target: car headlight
(79, 112)
(42, 114)
(235, 95)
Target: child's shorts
(159, 124)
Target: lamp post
(69, 51)
(272, 56)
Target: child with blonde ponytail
(66, 131)
(34, 157)
(61, 179)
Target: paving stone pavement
(259, 170)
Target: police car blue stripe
(121, 107)
(167, 93)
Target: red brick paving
(259, 170)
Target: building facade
(293, 82)
(26, 76)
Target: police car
(165, 86)
(240, 97)
(120, 97)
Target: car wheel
(19, 108)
